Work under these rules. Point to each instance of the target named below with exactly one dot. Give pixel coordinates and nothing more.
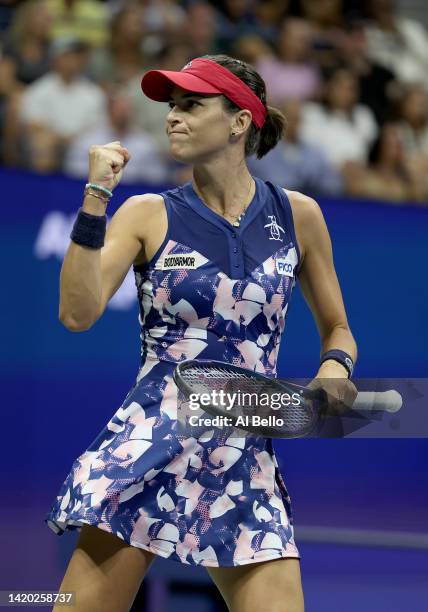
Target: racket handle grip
(390, 401)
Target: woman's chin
(179, 155)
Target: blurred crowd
(351, 77)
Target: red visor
(204, 76)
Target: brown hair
(259, 141)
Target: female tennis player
(215, 261)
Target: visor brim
(158, 84)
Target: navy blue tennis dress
(212, 291)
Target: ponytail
(271, 132)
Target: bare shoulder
(140, 213)
(307, 216)
(141, 206)
(305, 209)
(143, 217)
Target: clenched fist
(106, 163)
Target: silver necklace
(236, 218)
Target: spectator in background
(235, 18)
(27, 41)
(342, 128)
(86, 20)
(413, 125)
(290, 74)
(166, 17)
(201, 28)
(270, 14)
(413, 128)
(251, 48)
(163, 20)
(148, 115)
(325, 15)
(59, 105)
(10, 93)
(327, 23)
(397, 43)
(123, 57)
(146, 163)
(390, 175)
(296, 165)
(376, 83)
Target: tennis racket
(287, 410)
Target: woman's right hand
(106, 163)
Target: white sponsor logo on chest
(181, 261)
(275, 229)
(285, 265)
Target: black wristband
(341, 357)
(89, 230)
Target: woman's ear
(241, 123)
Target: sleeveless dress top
(212, 291)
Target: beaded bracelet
(97, 187)
(89, 191)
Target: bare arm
(90, 277)
(319, 283)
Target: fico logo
(284, 267)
